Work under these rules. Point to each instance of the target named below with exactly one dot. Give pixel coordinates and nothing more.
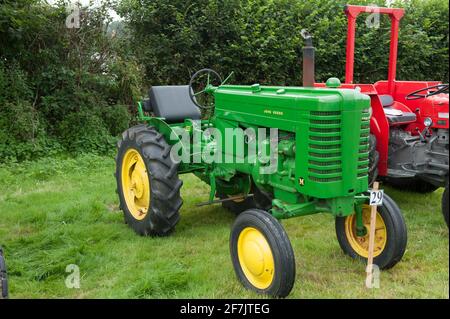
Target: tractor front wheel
(445, 203)
(147, 182)
(262, 254)
(390, 235)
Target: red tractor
(410, 119)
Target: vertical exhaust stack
(308, 60)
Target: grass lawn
(59, 212)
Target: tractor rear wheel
(147, 182)
(262, 254)
(413, 185)
(445, 203)
(390, 235)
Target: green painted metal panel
(330, 126)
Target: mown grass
(59, 212)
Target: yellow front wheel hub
(135, 184)
(256, 258)
(360, 244)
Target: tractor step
(219, 201)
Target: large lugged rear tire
(390, 235)
(262, 254)
(147, 182)
(445, 203)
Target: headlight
(428, 122)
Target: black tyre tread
(402, 231)
(166, 201)
(445, 203)
(396, 242)
(280, 245)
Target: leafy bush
(260, 39)
(61, 89)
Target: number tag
(376, 197)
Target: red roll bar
(352, 13)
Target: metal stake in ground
(373, 219)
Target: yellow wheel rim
(255, 258)
(135, 184)
(360, 244)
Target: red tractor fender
(379, 127)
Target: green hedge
(260, 39)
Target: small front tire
(262, 254)
(390, 235)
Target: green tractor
(268, 153)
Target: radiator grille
(363, 158)
(324, 163)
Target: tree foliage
(260, 39)
(61, 89)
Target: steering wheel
(198, 88)
(440, 88)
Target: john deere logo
(301, 181)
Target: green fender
(169, 133)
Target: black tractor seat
(386, 100)
(395, 116)
(172, 102)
